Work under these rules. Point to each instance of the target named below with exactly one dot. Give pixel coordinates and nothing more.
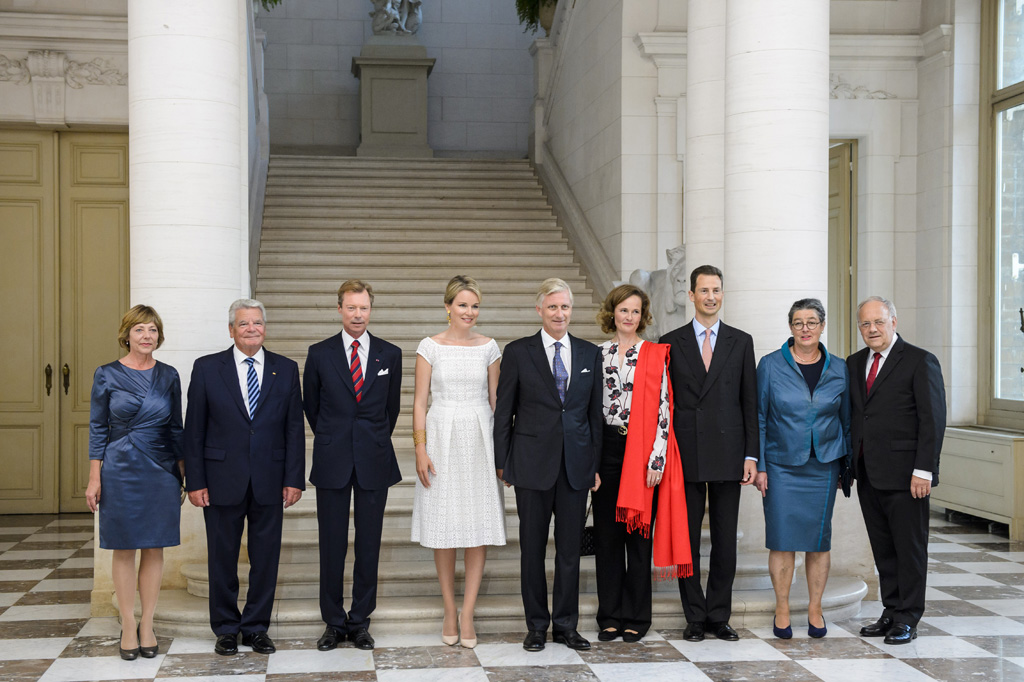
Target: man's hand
(761, 482)
(500, 472)
(597, 482)
(749, 472)
(200, 498)
(291, 496)
(920, 487)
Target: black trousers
(723, 500)
(623, 560)
(897, 525)
(535, 508)
(332, 509)
(224, 524)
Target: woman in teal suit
(804, 416)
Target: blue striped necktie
(254, 386)
(561, 376)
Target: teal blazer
(791, 420)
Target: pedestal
(393, 100)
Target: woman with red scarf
(639, 469)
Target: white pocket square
(584, 371)
(382, 372)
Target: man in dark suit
(244, 455)
(547, 443)
(714, 383)
(352, 385)
(898, 406)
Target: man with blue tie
(352, 387)
(244, 461)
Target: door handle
(49, 378)
(66, 371)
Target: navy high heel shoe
(817, 633)
(782, 633)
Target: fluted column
(776, 162)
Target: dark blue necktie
(253, 385)
(561, 376)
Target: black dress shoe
(361, 638)
(330, 639)
(901, 633)
(694, 632)
(127, 654)
(227, 645)
(260, 642)
(723, 631)
(609, 635)
(634, 636)
(879, 628)
(571, 639)
(535, 640)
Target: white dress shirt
(243, 371)
(700, 330)
(565, 353)
(920, 473)
(363, 351)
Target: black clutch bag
(587, 540)
(846, 477)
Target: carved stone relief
(396, 17)
(668, 290)
(839, 88)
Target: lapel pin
(274, 373)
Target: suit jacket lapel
(688, 345)
(888, 367)
(269, 376)
(337, 356)
(373, 365)
(575, 346)
(860, 369)
(229, 373)
(723, 347)
(540, 360)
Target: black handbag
(846, 477)
(587, 539)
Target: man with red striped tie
(352, 384)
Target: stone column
(776, 162)
(704, 179)
(187, 172)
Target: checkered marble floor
(973, 628)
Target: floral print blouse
(618, 397)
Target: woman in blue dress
(803, 408)
(136, 469)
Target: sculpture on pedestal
(396, 16)
(669, 292)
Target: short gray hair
(245, 304)
(552, 285)
(808, 304)
(878, 299)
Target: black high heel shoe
(146, 651)
(127, 654)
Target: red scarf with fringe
(634, 506)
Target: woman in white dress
(459, 500)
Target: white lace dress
(464, 505)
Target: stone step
(296, 348)
(374, 273)
(497, 301)
(407, 175)
(360, 248)
(432, 282)
(409, 213)
(360, 203)
(278, 161)
(445, 260)
(393, 332)
(181, 614)
(444, 226)
(435, 314)
(277, 182)
(273, 237)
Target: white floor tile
(25, 649)
(1002, 607)
(1009, 556)
(4, 546)
(968, 538)
(950, 548)
(858, 670)
(79, 562)
(48, 612)
(676, 671)
(800, 631)
(25, 574)
(60, 537)
(102, 668)
(27, 555)
(941, 580)
(101, 627)
(63, 585)
(986, 566)
(976, 625)
(931, 647)
(217, 678)
(717, 650)
(494, 655)
(19, 530)
(8, 598)
(194, 645)
(397, 640)
(433, 675)
(932, 594)
(1016, 660)
(65, 523)
(313, 661)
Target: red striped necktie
(874, 371)
(357, 372)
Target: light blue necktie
(254, 386)
(561, 376)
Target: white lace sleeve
(425, 349)
(493, 354)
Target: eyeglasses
(866, 325)
(809, 326)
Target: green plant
(270, 4)
(529, 12)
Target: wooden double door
(63, 289)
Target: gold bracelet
(419, 437)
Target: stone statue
(396, 17)
(669, 292)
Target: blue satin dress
(135, 428)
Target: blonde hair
(460, 283)
(606, 316)
(354, 286)
(552, 285)
(140, 314)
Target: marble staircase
(407, 226)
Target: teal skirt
(798, 506)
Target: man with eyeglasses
(898, 417)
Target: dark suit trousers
(897, 525)
(623, 560)
(723, 501)
(332, 508)
(535, 508)
(224, 525)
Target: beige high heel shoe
(466, 643)
(450, 640)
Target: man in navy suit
(547, 443)
(352, 385)
(244, 456)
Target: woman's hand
(92, 494)
(653, 478)
(761, 482)
(424, 467)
